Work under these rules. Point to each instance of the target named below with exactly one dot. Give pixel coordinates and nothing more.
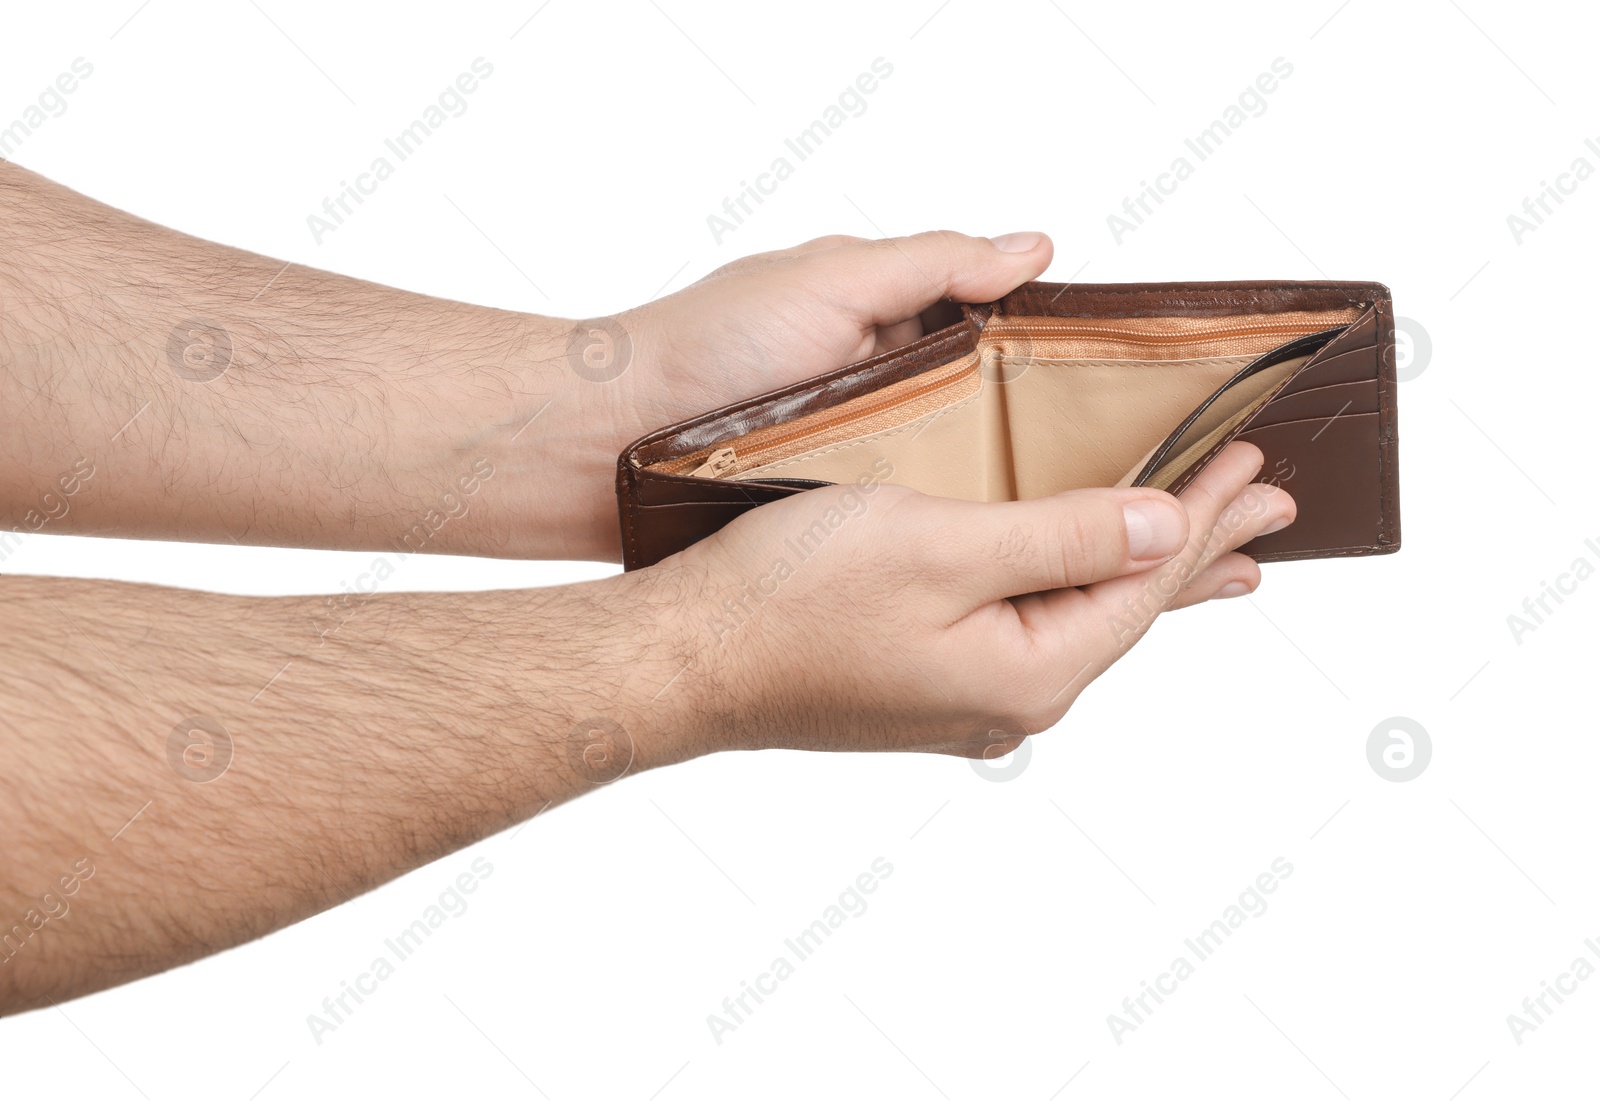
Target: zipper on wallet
(1190, 334)
(724, 461)
(719, 462)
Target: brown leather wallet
(1064, 386)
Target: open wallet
(1066, 386)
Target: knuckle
(1074, 545)
(1248, 514)
(745, 265)
(1049, 555)
(1210, 494)
(948, 244)
(1249, 452)
(881, 244)
(945, 238)
(1016, 549)
(832, 240)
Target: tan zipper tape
(899, 402)
(1153, 338)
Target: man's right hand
(879, 618)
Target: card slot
(1295, 390)
(1345, 365)
(1331, 418)
(1324, 401)
(1340, 505)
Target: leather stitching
(1385, 343)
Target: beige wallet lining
(1043, 405)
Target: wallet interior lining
(1041, 406)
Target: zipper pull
(719, 462)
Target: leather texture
(1326, 423)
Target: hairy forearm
(185, 771)
(153, 384)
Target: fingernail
(1016, 242)
(1155, 530)
(1233, 588)
(1277, 525)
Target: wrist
(500, 457)
(547, 404)
(624, 690)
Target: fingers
(885, 282)
(1226, 510)
(1223, 499)
(1233, 574)
(995, 550)
(893, 336)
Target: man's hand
(431, 720)
(157, 385)
(874, 617)
(777, 318)
(764, 322)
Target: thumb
(1011, 548)
(887, 281)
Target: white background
(1019, 914)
